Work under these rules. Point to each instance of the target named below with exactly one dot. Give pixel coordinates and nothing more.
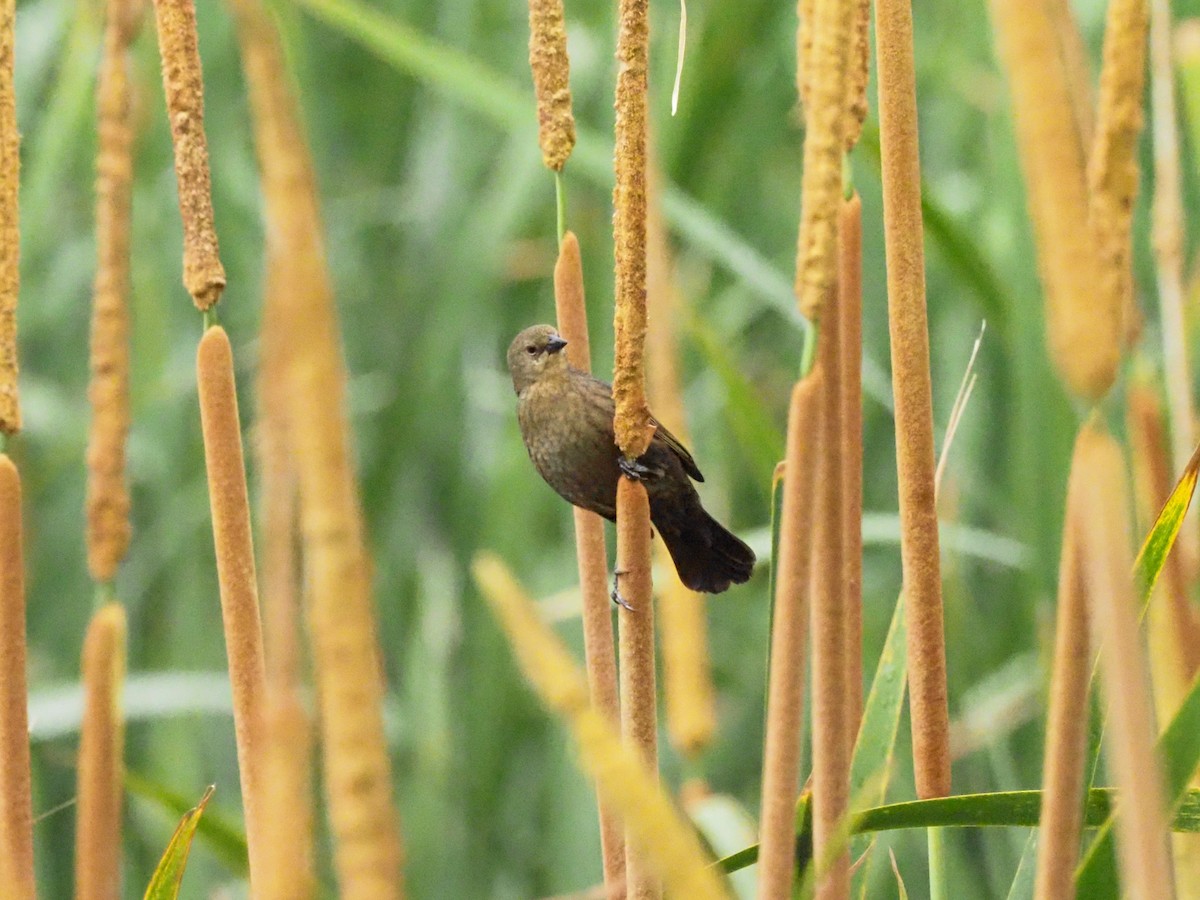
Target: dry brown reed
(850, 326)
(633, 426)
(687, 691)
(663, 842)
(910, 384)
(831, 750)
(101, 759)
(286, 798)
(1107, 562)
(235, 570)
(632, 423)
(785, 688)
(183, 84)
(108, 526)
(279, 507)
(287, 724)
(551, 81)
(592, 555)
(639, 708)
(10, 276)
(1066, 728)
(16, 809)
(1084, 337)
(1112, 165)
(368, 853)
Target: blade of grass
(1000, 809)
(1022, 884)
(219, 831)
(168, 877)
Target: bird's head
(534, 354)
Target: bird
(566, 421)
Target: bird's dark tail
(707, 556)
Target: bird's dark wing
(604, 405)
(689, 464)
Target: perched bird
(566, 419)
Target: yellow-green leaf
(169, 875)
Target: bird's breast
(570, 441)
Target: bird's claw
(615, 594)
(634, 470)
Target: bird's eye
(531, 350)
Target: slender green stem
(937, 864)
(210, 318)
(105, 594)
(3, 442)
(560, 199)
(809, 354)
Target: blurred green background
(440, 226)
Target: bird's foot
(634, 470)
(615, 596)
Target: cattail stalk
(235, 569)
(16, 804)
(10, 276)
(108, 526)
(859, 73)
(824, 139)
(592, 555)
(850, 328)
(1168, 238)
(632, 424)
(551, 81)
(1141, 815)
(101, 755)
(831, 751)
(1112, 166)
(639, 709)
(279, 507)
(634, 429)
(1077, 69)
(287, 786)
(785, 689)
(1066, 729)
(367, 851)
(667, 845)
(183, 84)
(914, 409)
(688, 689)
(1083, 330)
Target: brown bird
(566, 419)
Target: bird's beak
(554, 343)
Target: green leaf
(998, 809)
(1153, 555)
(870, 768)
(219, 832)
(1022, 885)
(168, 877)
